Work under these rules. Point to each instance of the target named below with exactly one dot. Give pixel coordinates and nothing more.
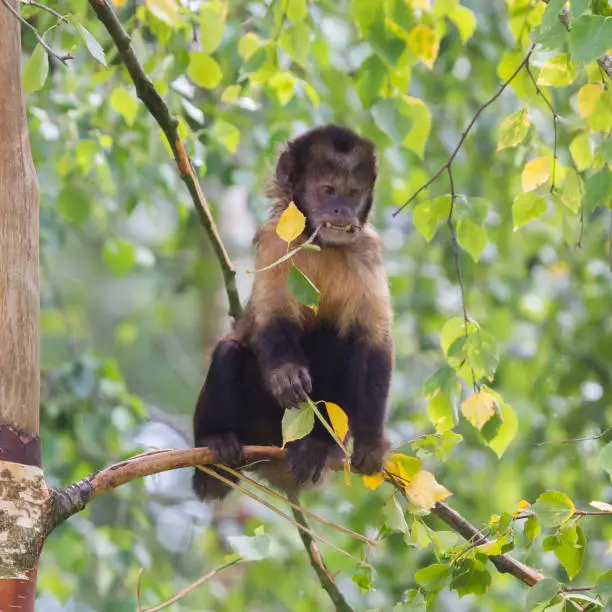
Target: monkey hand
(369, 454)
(225, 447)
(290, 384)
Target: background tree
(499, 268)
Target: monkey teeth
(340, 228)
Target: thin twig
(62, 58)
(44, 7)
(278, 512)
(316, 560)
(467, 130)
(571, 440)
(451, 227)
(183, 592)
(555, 123)
(289, 501)
(156, 106)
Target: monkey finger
(306, 381)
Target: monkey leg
(217, 416)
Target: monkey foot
(225, 447)
(369, 457)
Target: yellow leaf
(587, 99)
(403, 467)
(490, 548)
(164, 10)
(424, 491)
(522, 505)
(535, 173)
(291, 223)
(374, 481)
(338, 419)
(119, 3)
(478, 408)
(425, 44)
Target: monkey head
(329, 172)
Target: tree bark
(19, 328)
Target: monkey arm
(371, 366)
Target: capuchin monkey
(280, 351)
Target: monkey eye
(353, 192)
(328, 189)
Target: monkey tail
(209, 488)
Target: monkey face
(329, 173)
(337, 205)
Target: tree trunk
(19, 329)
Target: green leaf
(598, 189)
(212, 27)
(392, 118)
(416, 110)
(164, 10)
(296, 10)
(604, 150)
(227, 134)
(590, 37)
(442, 380)
(413, 601)
(384, 42)
(203, 70)
(36, 70)
(558, 71)
(297, 423)
(370, 78)
(578, 7)
(394, 516)
(440, 410)
(302, 288)
(365, 12)
(474, 209)
(472, 238)
(553, 508)
(251, 548)
(527, 207)
(513, 130)
(465, 20)
(470, 577)
(93, 46)
(551, 38)
(123, 103)
(507, 431)
(296, 41)
(451, 330)
(570, 552)
(428, 215)
(363, 579)
(603, 586)
(605, 456)
(532, 528)
(119, 256)
(542, 592)
(580, 148)
(571, 193)
(434, 577)
(283, 84)
(553, 9)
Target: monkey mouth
(337, 227)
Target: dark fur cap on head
(336, 144)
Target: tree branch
(451, 158)
(73, 499)
(316, 560)
(61, 57)
(159, 110)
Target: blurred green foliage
(132, 300)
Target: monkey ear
(284, 170)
